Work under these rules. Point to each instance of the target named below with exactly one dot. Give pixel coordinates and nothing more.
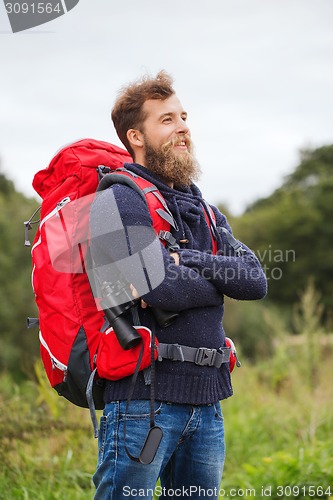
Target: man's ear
(135, 138)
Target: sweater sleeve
(238, 275)
(119, 211)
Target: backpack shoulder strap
(215, 231)
(211, 222)
(157, 206)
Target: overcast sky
(256, 77)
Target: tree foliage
(291, 230)
(18, 346)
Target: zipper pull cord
(28, 225)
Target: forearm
(235, 271)
(182, 288)
(239, 277)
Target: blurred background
(256, 79)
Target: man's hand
(136, 296)
(175, 257)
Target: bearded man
(192, 374)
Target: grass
(278, 428)
(278, 435)
(44, 456)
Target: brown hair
(127, 112)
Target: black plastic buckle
(167, 236)
(205, 356)
(102, 170)
(163, 235)
(169, 239)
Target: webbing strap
(149, 189)
(91, 404)
(129, 397)
(167, 217)
(147, 450)
(235, 244)
(202, 356)
(160, 198)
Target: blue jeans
(189, 460)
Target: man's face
(167, 143)
(166, 121)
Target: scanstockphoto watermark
(225, 273)
(274, 259)
(227, 267)
(187, 492)
(24, 15)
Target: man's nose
(182, 127)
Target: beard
(180, 169)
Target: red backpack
(73, 337)
(71, 326)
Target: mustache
(177, 140)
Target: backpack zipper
(55, 362)
(55, 211)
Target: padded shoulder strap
(158, 209)
(119, 178)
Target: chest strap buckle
(201, 356)
(205, 356)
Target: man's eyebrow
(172, 113)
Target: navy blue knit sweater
(195, 288)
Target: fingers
(135, 294)
(175, 257)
